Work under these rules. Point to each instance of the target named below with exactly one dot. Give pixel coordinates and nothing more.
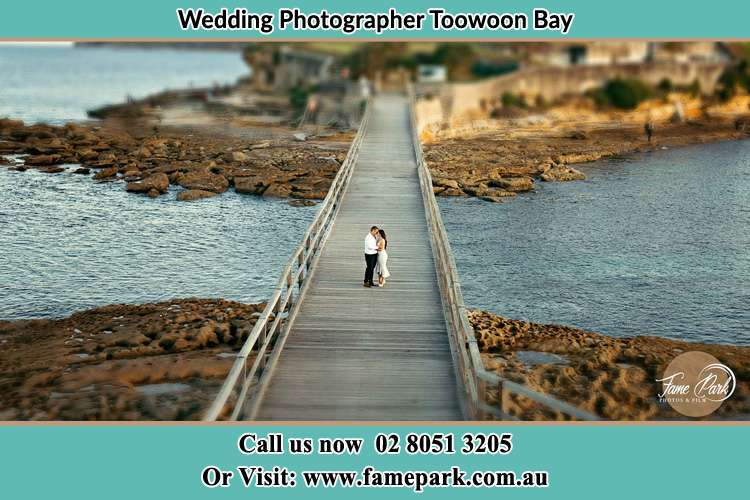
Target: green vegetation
(665, 85)
(298, 97)
(459, 58)
(508, 99)
(486, 69)
(733, 78)
(622, 93)
(694, 88)
(464, 61)
(371, 58)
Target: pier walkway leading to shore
(371, 353)
(327, 348)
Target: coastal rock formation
(155, 182)
(513, 184)
(203, 180)
(106, 173)
(467, 161)
(562, 173)
(163, 361)
(195, 194)
(251, 184)
(210, 160)
(614, 378)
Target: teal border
(149, 19)
(162, 461)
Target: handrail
(473, 376)
(285, 299)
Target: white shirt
(371, 245)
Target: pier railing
(486, 394)
(264, 343)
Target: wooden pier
(327, 348)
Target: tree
(626, 93)
(371, 58)
(459, 58)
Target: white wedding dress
(382, 267)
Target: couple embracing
(376, 257)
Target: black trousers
(370, 260)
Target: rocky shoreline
(166, 361)
(163, 361)
(199, 163)
(614, 378)
(514, 155)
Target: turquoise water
(657, 244)
(59, 83)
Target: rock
(310, 195)
(45, 146)
(195, 194)
(143, 152)
(300, 136)
(261, 145)
(302, 203)
(156, 182)
(203, 180)
(42, 160)
(562, 173)
(88, 155)
(578, 135)
(446, 183)
(82, 171)
(277, 191)
(513, 184)
(107, 173)
(251, 185)
(491, 199)
(237, 156)
(437, 189)
(8, 124)
(104, 160)
(52, 170)
(153, 193)
(132, 174)
(452, 192)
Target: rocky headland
(163, 361)
(493, 159)
(198, 163)
(166, 361)
(614, 378)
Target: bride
(382, 268)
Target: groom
(371, 255)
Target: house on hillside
(597, 53)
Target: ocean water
(60, 83)
(68, 243)
(656, 244)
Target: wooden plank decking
(355, 353)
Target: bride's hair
(382, 235)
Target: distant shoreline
(207, 46)
(499, 163)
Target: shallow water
(68, 243)
(534, 358)
(60, 83)
(658, 244)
